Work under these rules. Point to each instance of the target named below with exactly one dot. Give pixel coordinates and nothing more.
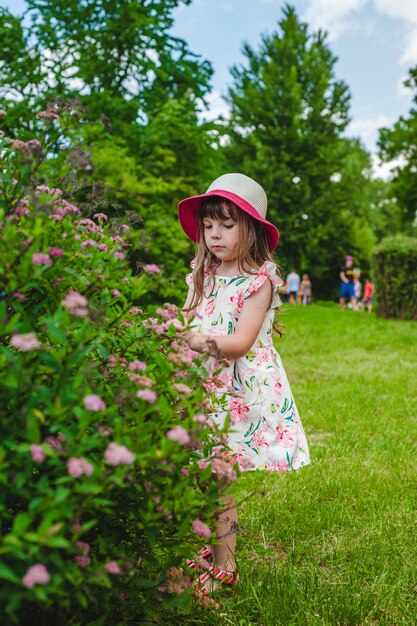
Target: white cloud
(217, 107)
(402, 90)
(367, 129)
(333, 15)
(405, 10)
(385, 170)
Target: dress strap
(268, 271)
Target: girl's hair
(253, 249)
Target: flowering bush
(106, 450)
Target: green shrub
(105, 447)
(395, 267)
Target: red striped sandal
(222, 576)
(204, 553)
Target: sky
(375, 42)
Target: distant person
(357, 291)
(293, 284)
(368, 293)
(305, 289)
(347, 294)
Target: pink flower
(285, 436)
(82, 560)
(147, 394)
(78, 466)
(2, 113)
(185, 471)
(137, 366)
(238, 412)
(84, 546)
(238, 300)
(41, 259)
(88, 242)
(102, 246)
(116, 293)
(135, 310)
(210, 306)
(277, 466)
(94, 403)
(37, 453)
(25, 342)
(100, 216)
(202, 464)
(53, 443)
(118, 455)
(119, 255)
(201, 529)
(56, 252)
(112, 568)
(36, 575)
(178, 434)
(75, 303)
(181, 388)
(152, 268)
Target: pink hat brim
(188, 210)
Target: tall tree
(288, 113)
(400, 143)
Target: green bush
(105, 446)
(395, 267)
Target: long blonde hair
(253, 249)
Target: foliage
(400, 143)
(137, 92)
(105, 447)
(288, 112)
(395, 269)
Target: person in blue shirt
(293, 285)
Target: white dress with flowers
(265, 428)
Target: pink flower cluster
(94, 403)
(36, 575)
(78, 466)
(112, 568)
(75, 303)
(37, 453)
(151, 268)
(181, 388)
(147, 394)
(41, 259)
(25, 342)
(100, 216)
(201, 529)
(137, 366)
(178, 434)
(118, 455)
(49, 114)
(55, 252)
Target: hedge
(394, 264)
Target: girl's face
(222, 237)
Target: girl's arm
(247, 329)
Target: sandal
(205, 553)
(223, 576)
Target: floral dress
(265, 430)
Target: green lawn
(336, 542)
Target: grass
(335, 543)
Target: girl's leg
(226, 529)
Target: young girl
(233, 294)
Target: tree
(288, 112)
(400, 143)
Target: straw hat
(243, 191)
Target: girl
(233, 294)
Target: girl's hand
(196, 341)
